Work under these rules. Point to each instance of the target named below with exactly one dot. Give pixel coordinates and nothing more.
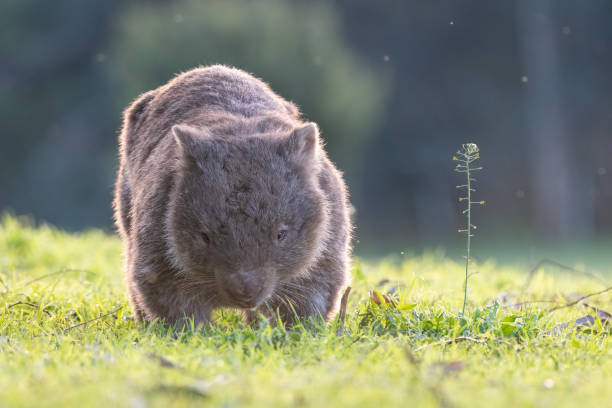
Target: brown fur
(225, 198)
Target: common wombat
(225, 198)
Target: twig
(461, 339)
(93, 320)
(580, 299)
(34, 305)
(67, 270)
(560, 266)
(342, 313)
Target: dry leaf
(588, 320)
(342, 313)
(375, 297)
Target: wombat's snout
(244, 288)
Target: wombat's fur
(225, 198)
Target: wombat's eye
(281, 235)
(205, 238)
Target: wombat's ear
(189, 140)
(303, 143)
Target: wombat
(226, 198)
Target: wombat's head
(246, 214)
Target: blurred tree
(297, 48)
(559, 199)
(55, 160)
(481, 71)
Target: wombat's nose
(244, 287)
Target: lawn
(67, 338)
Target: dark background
(396, 86)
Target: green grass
(65, 280)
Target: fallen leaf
(587, 321)
(603, 315)
(342, 313)
(380, 299)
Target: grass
(388, 353)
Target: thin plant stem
(466, 156)
(469, 237)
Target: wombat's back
(219, 88)
(199, 95)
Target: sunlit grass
(389, 353)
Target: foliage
(56, 350)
